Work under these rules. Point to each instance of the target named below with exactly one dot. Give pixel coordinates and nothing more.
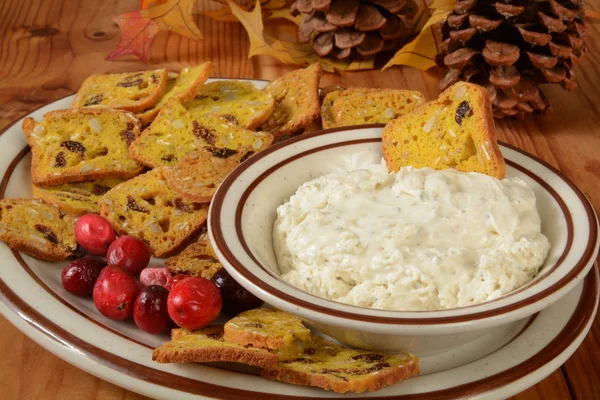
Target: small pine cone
(512, 47)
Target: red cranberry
(156, 276)
(94, 233)
(150, 309)
(115, 292)
(194, 303)
(175, 280)
(236, 299)
(129, 253)
(80, 276)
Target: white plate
(32, 298)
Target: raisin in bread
(146, 207)
(331, 367)
(198, 259)
(296, 97)
(38, 229)
(130, 91)
(373, 106)
(183, 87)
(455, 131)
(81, 144)
(174, 133)
(238, 102)
(199, 174)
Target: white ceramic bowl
(244, 209)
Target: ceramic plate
(32, 298)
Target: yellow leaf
(286, 14)
(175, 16)
(287, 52)
(421, 52)
(446, 5)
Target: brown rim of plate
(578, 321)
(357, 316)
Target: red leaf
(137, 33)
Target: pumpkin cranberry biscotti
(147, 207)
(455, 131)
(359, 106)
(80, 145)
(296, 96)
(38, 229)
(130, 91)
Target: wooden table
(49, 46)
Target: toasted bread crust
(296, 97)
(37, 228)
(456, 130)
(188, 93)
(198, 259)
(266, 328)
(45, 175)
(146, 207)
(207, 345)
(198, 176)
(369, 383)
(141, 104)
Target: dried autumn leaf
(224, 14)
(137, 33)
(138, 28)
(285, 13)
(287, 52)
(175, 16)
(421, 52)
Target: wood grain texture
(47, 48)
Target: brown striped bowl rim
(361, 315)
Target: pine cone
(361, 29)
(512, 47)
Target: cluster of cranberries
(124, 286)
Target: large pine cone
(512, 47)
(344, 28)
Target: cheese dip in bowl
(415, 240)
(409, 279)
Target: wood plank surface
(47, 48)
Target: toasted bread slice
(455, 131)
(208, 345)
(184, 87)
(130, 91)
(81, 144)
(198, 259)
(38, 229)
(147, 207)
(374, 106)
(76, 198)
(238, 102)
(174, 134)
(266, 328)
(332, 367)
(296, 97)
(199, 174)
(329, 95)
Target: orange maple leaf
(138, 28)
(137, 33)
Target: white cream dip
(419, 239)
